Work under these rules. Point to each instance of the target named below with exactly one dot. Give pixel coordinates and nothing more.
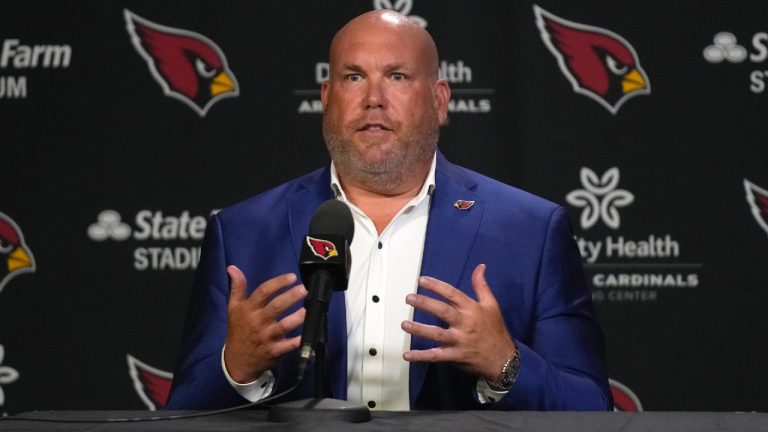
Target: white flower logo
(600, 198)
(7, 375)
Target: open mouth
(373, 127)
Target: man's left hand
(476, 339)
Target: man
(464, 292)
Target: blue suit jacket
(534, 269)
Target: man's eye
(354, 77)
(397, 76)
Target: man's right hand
(255, 338)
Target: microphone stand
(321, 407)
(322, 389)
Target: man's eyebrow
(395, 67)
(387, 68)
(352, 67)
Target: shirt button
(380, 245)
(371, 404)
(372, 351)
(375, 299)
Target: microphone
(324, 266)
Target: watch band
(508, 375)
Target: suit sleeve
(198, 381)
(563, 356)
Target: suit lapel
(450, 235)
(301, 207)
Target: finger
(237, 286)
(444, 290)
(432, 355)
(285, 346)
(440, 309)
(292, 321)
(480, 285)
(262, 295)
(434, 333)
(280, 303)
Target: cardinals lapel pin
(463, 204)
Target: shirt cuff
(254, 390)
(485, 394)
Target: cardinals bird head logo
(322, 248)
(15, 256)
(757, 198)
(624, 399)
(188, 66)
(463, 204)
(599, 63)
(152, 385)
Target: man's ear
(324, 92)
(442, 92)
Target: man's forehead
(376, 39)
(381, 50)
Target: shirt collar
(426, 189)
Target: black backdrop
(93, 151)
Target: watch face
(512, 371)
(508, 374)
(509, 378)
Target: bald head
(387, 23)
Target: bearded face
(380, 152)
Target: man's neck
(382, 206)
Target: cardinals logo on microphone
(15, 256)
(598, 63)
(188, 66)
(322, 248)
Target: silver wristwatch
(508, 374)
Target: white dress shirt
(385, 269)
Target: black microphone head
(333, 217)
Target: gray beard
(386, 175)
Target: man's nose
(376, 94)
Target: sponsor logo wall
(154, 232)
(726, 49)
(17, 57)
(127, 125)
(620, 268)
